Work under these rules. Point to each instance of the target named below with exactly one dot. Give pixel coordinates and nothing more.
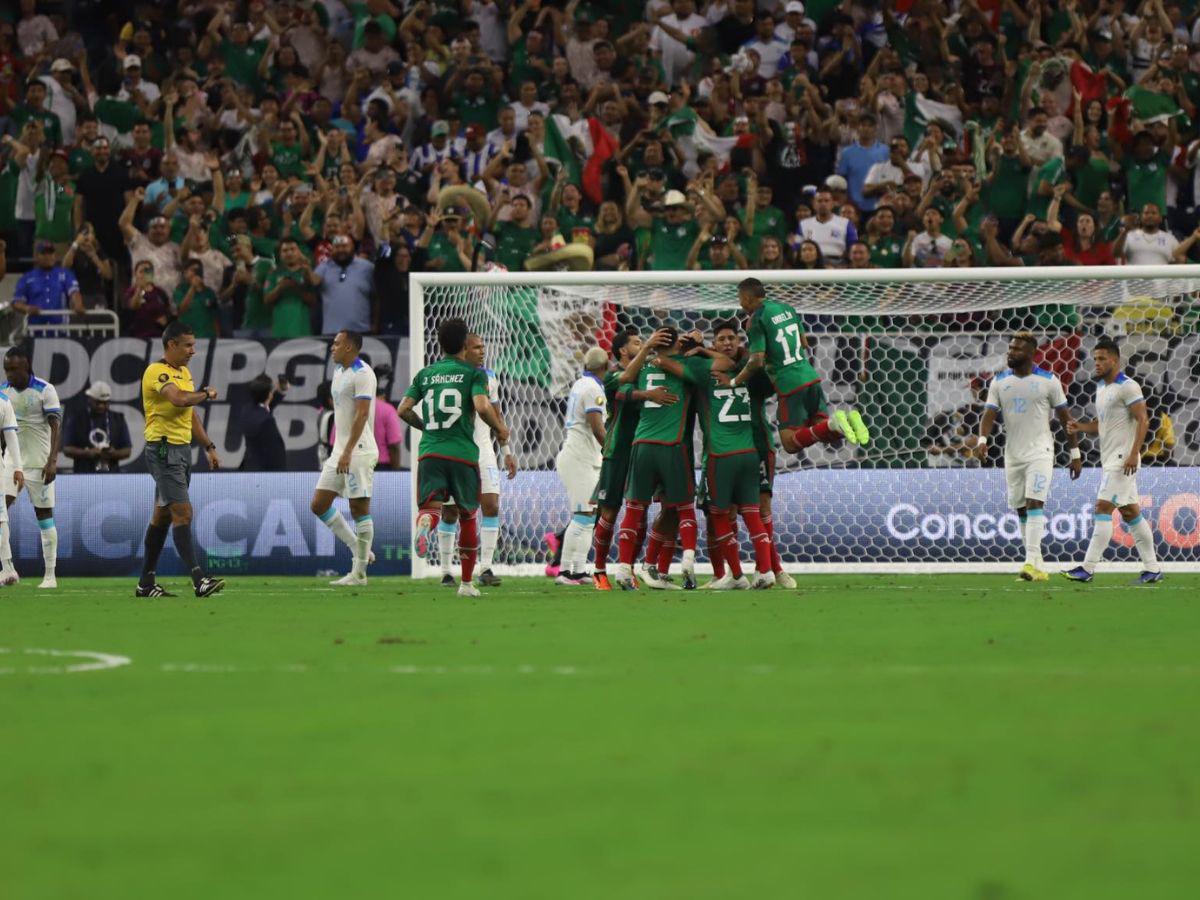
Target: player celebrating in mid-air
(779, 343)
(1025, 395)
(451, 393)
(1121, 422)
(623, 401)
(350, 469)
(39, 433)
(578, 463)
(661, 465)
(730, 464)
(489, 488)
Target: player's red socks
(776, 559)
(468, 543)
(665, 556)
(725, 549)
(434, 513)
(687, 527)
(631, 526)
(763, 556)
(807, 435)
(601, 543)
(654, 547)
(716, 552)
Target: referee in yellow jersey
(168, 396)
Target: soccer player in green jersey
(661, 465)
(450, 394)
(730, 463)
(779, 344)
(624, 404)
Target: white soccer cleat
(571, 580)
(371, 558)
(49, 582)
(728, 583)
(466, 589)
(350, 580)
(623, 578)
(784, 580)
(764, 581)
(9, 578)
(648, 577)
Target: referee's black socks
(182, 535)
(156, 536)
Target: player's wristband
(504, 448)
(211, 447)
(981, 441)
(1075, 454)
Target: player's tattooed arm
(408, 414)
(754, 364)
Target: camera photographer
(97, 438)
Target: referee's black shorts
(170, 465)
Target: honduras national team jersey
(1117, 426)
(1025, 404)
(350, 384)
(587, 396)
(483, 431)
(34, 406)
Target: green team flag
(557, 148)
(1148, 104)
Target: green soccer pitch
(872, 737)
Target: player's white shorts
(1028, 481)
(579, 477)
(40, 494)
(353, 485)
(489, 471)
(1118, 488)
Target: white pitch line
(97, 661)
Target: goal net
(913, 351)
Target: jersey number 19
(442, 410)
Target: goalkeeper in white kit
(578, 464)
(1121, 422)
(1025, 396)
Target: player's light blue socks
(1143, 538)
(489, 535)
(446, 532)
(1101, 536)
(364, 530)
(1035, 528)
(49, 544)
(337, 523)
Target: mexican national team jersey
(1025, 402)
(445, 393)
(776, 330)
(351, 384)
(1117, 425)
(761, 389)
(34, 406)
(660, 424)
(725, 416)
(622, 417)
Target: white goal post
(912, 349)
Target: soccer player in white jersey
(350, 469)
(1026, 396)
(489, 487)
(39, 433)
(12, 459)
(578, 463)
(1121, 422)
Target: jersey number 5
(447, 411)
(781, 336)
(654, 381)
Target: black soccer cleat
(488, 578)
(209, 586)
(448, 581)
(152, 590)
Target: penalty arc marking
(91, 661)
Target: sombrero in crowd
(465, 195)
(575, 257)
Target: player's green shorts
(661, 472)
(802, 405)
(610, 487)
(766, 471)
(439, 478)
(732, 480)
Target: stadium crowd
(276, 169)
